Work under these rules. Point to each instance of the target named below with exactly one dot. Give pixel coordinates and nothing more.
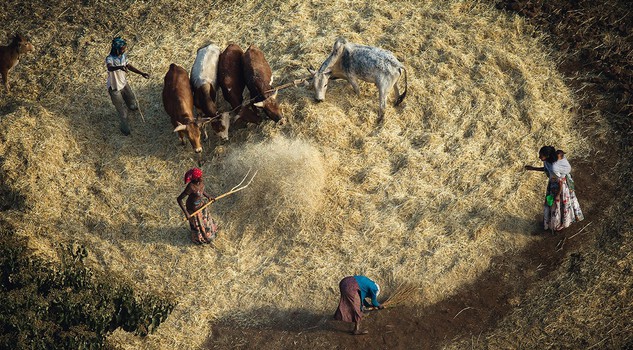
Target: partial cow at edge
(178, 103)
(204, 82)
(352, 62)
(259, 78)
(10, 56)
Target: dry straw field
(427, 198)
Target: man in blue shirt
(354, 291)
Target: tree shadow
(510, 223)
(474, 308)
(293, 320)
(517, 225)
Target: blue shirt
(368, 289)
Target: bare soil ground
(594, 39)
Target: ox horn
(311, 70)
(180, 127)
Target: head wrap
(117, 44)
(549, 152)
(193, 174)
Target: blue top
(368, 289)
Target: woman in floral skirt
(561, 207)
(203, 228)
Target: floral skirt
(202, 227)
(565, 208)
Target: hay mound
(288, 184)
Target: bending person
(354, 291)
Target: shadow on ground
(473, 310)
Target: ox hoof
(125, 129)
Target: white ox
(352, 62)
(204, 83)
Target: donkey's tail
(404, 94)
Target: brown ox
(232, 82)
(204, 81)
(258, 77)
(178, 103)
(10, 55)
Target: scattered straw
(462, 310)
(429, 196)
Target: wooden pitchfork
(235, 188)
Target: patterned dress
(565, 208)
(202, 226)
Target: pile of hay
(427, 198)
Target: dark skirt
(202, 227)
(349, 305)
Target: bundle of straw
(403, 293)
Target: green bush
(67, 305)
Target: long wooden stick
(280, 87)
(287, 85)
(235, 188)
(138, 106)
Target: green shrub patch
(67, 305)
